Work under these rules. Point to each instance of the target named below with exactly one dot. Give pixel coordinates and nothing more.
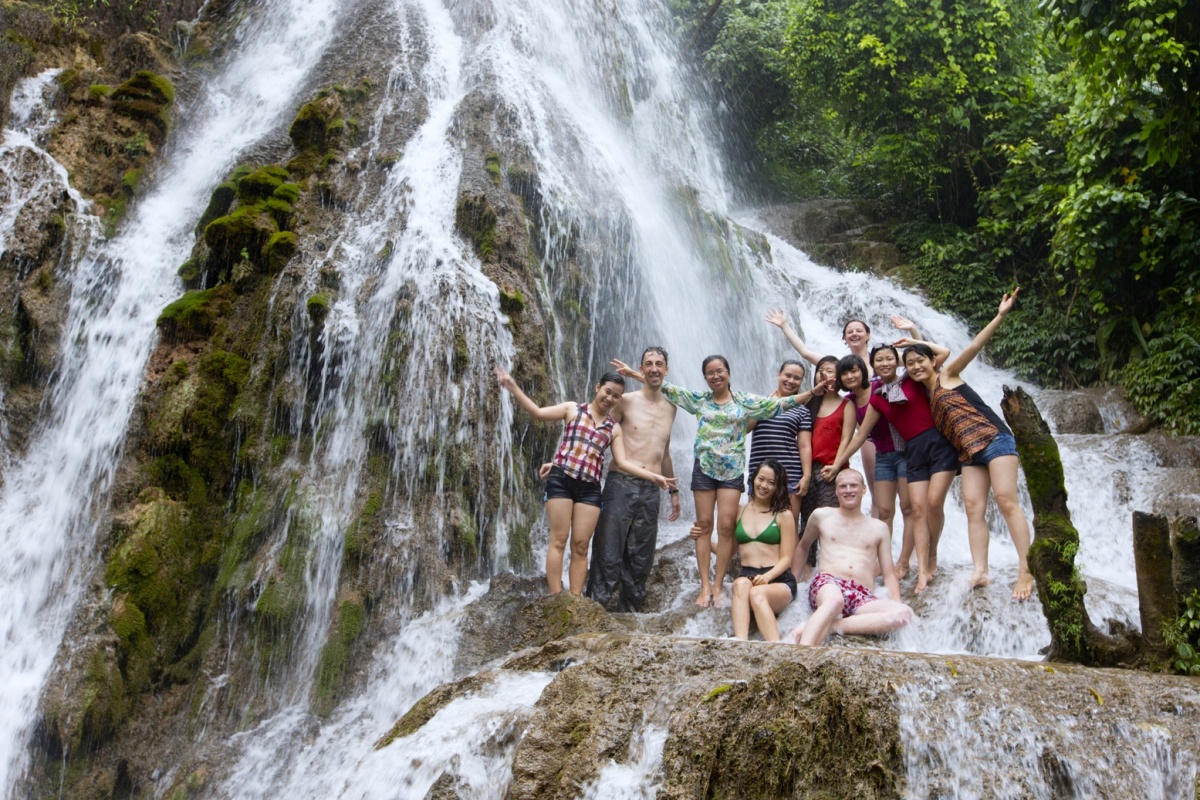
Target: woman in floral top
(720, 460)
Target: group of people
(916, 431)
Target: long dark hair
(779, 500)
(814, 405)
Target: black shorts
(929, 452)
(706, 483)
(561, 486)
(787, 578)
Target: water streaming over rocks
(600, 170)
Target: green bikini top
(769, 535)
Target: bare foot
(1023, 587)
(980, 579)
(795, 636)
(836, 628)
(932, 565)
(720, 600)
(901, 571)
(705, 597)
(923, 579)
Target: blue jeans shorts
(1002, 445)
(890, 466)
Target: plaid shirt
(581, 451)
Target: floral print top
(721, 440)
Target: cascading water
(53, 499)
(632, 233)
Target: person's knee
(975, 507)
(898, 617)
(759, 598)
(741, 588)
(1008, 503)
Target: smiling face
(918, 366)
(827, 371)
(654, 368)
(790, 379)
(608, 394)
(855, 335)
(764, 483)
(849, 488)
(851, 379)
(716, 374)
(885, 364)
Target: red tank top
(827, 435)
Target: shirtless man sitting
(854, 549)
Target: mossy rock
(475, 219)
(279, 250)
(314, 127)
(99, 91)
(287, 192)
(318, 308)
(512, 302)
(492, 165)
(131, 180)
(240, 235)
(189, 272)
(219, 204)
(260, 184)
(194, 315)
(333, 666)
(146, 96)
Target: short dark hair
(654, 349)
(704, 364)
(611, 377)
(922, 349)
(848, 363)
(780, 501)
(791, 362)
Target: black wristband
(672, 491)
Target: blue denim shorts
(1002, 445)
(703, 482)
(890, 466)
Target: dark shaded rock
(516, 613)
(1156, 591)
(805, 224)
(1185, 554)
(1073, 412)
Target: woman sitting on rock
(766, 537)
(573, 483)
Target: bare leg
(727, 508)
(939, 487)
(829, 608)
(885, 506)
(868, 459)
(1003, 472)
(767, 601)
(918, 493)
(705, 501)
(741, 608)
(558, 515)
(800, 568)
(908, 541)
(975, 486)
(874, 618)
(583, 525)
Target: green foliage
(1184, 637)
(1165, 384)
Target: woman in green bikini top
(766, 539)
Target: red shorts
(854, 595)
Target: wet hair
(780, 501)
(611, 377)
(654, 349)
(922, 349)
(710, 359)
(791, 362)
(877, 348)
(862, 481)
(848, 363)
(866, 327)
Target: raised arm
(957, 364)
(907, 325)
(561, 411)
(779, 319)
(626, 371)
(830, 471)
(630, 468)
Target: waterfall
(636, 233)
(54, 499)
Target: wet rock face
(759, 720)
(845, 234)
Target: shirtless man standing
(627, 534)
(854, 549)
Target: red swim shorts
(854, 595)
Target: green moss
(475, 219)
(246, 230)
(131, 180)
(279, 250)
(193, 315)
(333, 666)
(311, 130)
(98, 91)
(146, 96)
(717, 692)
(260, 184)
(219, 204)
(520, 548)
(492, 165)
(318, 308)
(512, 302)
(189, 273)
(287, 192)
